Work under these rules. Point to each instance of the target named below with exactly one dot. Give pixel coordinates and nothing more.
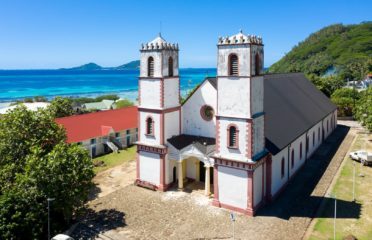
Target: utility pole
(49, 200)
(232, 218)
(353, 181)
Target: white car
(362, 156)
(62, 237)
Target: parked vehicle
(62, 237)
(362, 156)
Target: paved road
(136, 213)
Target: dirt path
(113, 179)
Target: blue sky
(52, 34)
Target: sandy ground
(113, 179)
(124, 211)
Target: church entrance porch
(192, 158)
(195, 174)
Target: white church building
(243, 132)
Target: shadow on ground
(296, 199)
(94, 191)
(95, 223)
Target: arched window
(150, 67)
(232, 133)
(292, 158)
(307, 144)
(170, 67)
(257, 64)
(300, 151)
(233, 65)
(149, 126)
(313, 139)
(318, 134)
(282, 169)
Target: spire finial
(240, 31)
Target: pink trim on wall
(162, 129)
(137, 166)
(249, 140)
(216, 201)
(168, 110)
(218, 135)
(162, 185)
(250, 189)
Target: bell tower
(159, 110)
(240, 97)
(240, 121)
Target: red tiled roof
(91, 125)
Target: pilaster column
(162, 186)
(180, 175)
(250, 193)
(216, 201)
(207, 180)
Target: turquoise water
(19, 84)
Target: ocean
(20, 84)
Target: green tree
(113, 97)
(36, 163)
(363, 110)
(40, 99)
(345, 99)
(123, 103)
(61, 107)
(327, 84)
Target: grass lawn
(354, 218)
(115, 159)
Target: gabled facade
(242, 133)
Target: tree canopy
(36, 163)
(345, 48)
(61, 107)
(123, 103)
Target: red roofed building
(101, 132)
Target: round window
(207, 112)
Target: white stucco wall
(330, 129)
(191, 168)
(257, 94)
(232, 187)
(295, 146)
(234, 97)
(237, 154)
(257, 176)
(192, 122)
(258, 135)
(157, 63)
(257, 49)
(150, 93)
(171, 92)
(311, 133)
(171, 124)
(243, 53)
(145, 138)
(149, 167)
(277, 181)
(165, 56)
(169, 164)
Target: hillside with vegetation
(343, 50)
